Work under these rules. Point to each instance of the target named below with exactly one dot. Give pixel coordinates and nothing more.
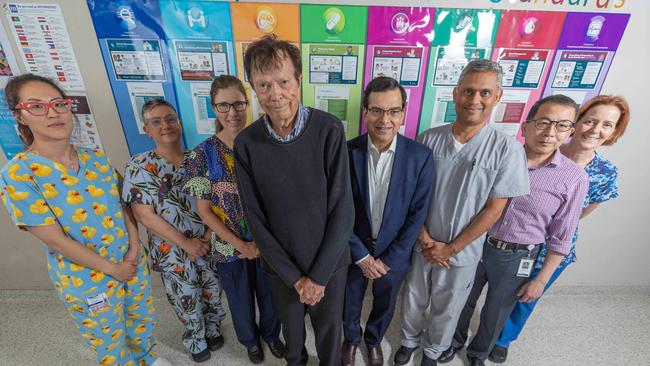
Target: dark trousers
(243, 281)
(325, 318)
(384, 297)
(498, 268)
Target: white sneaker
(161, 361)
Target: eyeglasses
(544, 124)
(158, 122)
(377, 112)
(36, 108)
(224, 107)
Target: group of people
(287, 217)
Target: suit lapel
(399, 163)
(360, 156)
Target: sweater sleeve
(272, 252)
(340, 210)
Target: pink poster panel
(398, 41)
(524, 48)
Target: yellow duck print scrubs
(86, 204)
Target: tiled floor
(572, 326)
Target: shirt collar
(373, 149)
(301, 117)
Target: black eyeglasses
(544, 124)
(379, 112)
(224, 107)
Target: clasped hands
(373, 268)
(309, 291)
(434, 251)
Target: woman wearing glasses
(210, 176)
(67, 197)
(177, 237)
(601, 121)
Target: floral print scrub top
(150, 179)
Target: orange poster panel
(254, 20)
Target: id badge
(97, 303)
(525, 267)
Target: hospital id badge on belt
(526, 265)
(97, 303)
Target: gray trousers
(498, 268)
(443, 292)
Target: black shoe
(498, 354)
(255, 354)
(214, 343)
(426, 361)
(201, 356)
(403, 355)
(277, 348)
(473, 361)
(448, 354)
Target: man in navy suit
(392, 180)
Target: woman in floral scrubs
(177, 237)
(67, 197)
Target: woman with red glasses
(67, 197)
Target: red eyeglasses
(35, 108)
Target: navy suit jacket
(407, 202)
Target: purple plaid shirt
(550, 212)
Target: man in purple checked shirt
(549, 213)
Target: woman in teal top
(68, 197)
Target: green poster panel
(461, 35)
(333, 49)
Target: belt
(504, 245)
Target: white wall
(613, 244)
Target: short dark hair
(12, 97)
(268, 53)
(381, 84)
(152, 103)
(559, 99)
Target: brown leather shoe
(375, 356)
(348, 353)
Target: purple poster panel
(585, 52)
(398, 46)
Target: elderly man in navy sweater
(294, 182)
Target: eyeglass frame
(552, 124)
(231, 105)
(171, 121)
(396, 110)
(22, 106)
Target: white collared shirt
(380, 167)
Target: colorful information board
(524, 48)
(585, 52)
(255, 20)
(461, 35)
(133, 46)
(333, 50)
(199, 36)
(398, 46)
